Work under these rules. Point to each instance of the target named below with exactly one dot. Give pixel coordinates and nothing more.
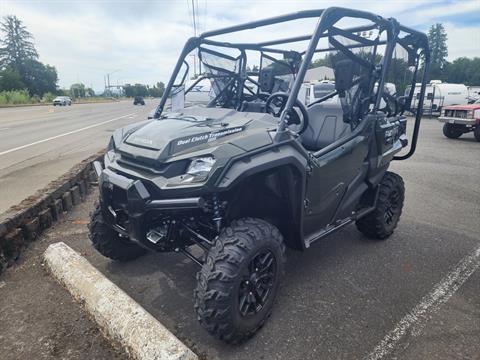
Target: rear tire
(239, 280)
(108, 242)
(451, 131)
(381, 222)
(476, 132)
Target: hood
(194, 129)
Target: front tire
(451, 131)
(476, 132)
(381, 222)
(239, 280)
(108, 242)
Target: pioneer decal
(198, 139)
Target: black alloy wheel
(257, 284)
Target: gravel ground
(38, 318)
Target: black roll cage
(415, 42)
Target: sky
(139, 41)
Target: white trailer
(438, 95)
(473, 93)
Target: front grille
(167, 170)
(140, 163)
(462, 114)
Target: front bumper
(459, 121)
(121, 194)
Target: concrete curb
(24, 222)
(121, 319)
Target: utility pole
(195, 34)
(194, 20)
(107, 77)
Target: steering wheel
(298, 116)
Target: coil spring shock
(217, 212)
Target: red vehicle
(461, 119)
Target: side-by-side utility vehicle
(232, 182)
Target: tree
(10, 79)
(157, 90)
(16, 46)
(89, 92)
(437, 40)
(138, 90)
(19, 60)
(77, 90)
(462, 71)
(129, 91)
(39, 78)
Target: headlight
(442, 113)
(199, 169)
(470, 114)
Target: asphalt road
(38, 144)
(348, 297)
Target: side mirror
(266, 79)
(344, 70)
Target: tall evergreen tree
(437, 39)
(16, 44)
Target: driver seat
(325, 126)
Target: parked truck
(460, 119)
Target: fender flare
(249, 165)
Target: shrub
(15, 97)
(48, 97)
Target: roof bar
(269, 21)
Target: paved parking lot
(347, 297)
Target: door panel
(329, 181)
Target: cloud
(462, 41)
(85, 40)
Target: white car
(62, 101)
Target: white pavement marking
(429, 304)
(121, 318)
(4, 128)
(62, 135)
